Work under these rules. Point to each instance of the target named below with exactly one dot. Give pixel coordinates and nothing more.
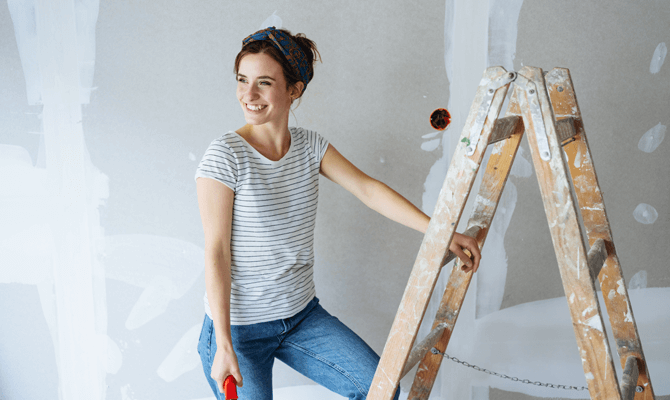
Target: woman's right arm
(216, 211)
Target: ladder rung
(629, 381)
(472, 232)
(596, 257)
(419, 351)
(504, 128)
(565, 129)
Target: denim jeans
(312, 342)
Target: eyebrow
(260, 77)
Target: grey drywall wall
(163, 89)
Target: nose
(249, 92)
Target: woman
(257, 193)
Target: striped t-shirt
(274, 213)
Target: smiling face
(262, 91)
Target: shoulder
(310, 140)
(230, 140)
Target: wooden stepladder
(545, 107)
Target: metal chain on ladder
(512, 378)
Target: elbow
(371, 191)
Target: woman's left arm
(389, 203)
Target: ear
(296, 90)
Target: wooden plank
(435, 246)
(420, 350)
(566, 234)
(504, 128)
(493, 182)
(565, 129)
(596, 223)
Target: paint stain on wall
(165, 267)
(638, 281)
(431, 145)
(652, 138)
(645, 214)
(658, 58)
(272, 20)
(183, 357)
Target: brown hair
(267, 47)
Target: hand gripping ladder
(545, 106)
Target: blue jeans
(312, 342)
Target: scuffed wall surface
(163, 89)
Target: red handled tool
(230, 388)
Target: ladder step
(565, 129)
(419, 351)
(504, 128)
(596, 257)
(472, 232)
(629, 381)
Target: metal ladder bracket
(536, 114)
(483, 111)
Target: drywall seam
(468, 28)
(502, 34)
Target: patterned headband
(293, 53)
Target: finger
(472, 248)
(466, 261)
(476, 258)
(238, 378)
(220, 379)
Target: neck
(271, 142)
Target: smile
(252, 107)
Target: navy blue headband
(291, 50)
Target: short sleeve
(219, 163)
(318, 144)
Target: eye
(242, 80)
(267, 83)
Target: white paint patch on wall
(431, 145)
(652, 138)
(658, 58)
(114, 356)
(165, 267)
(521, 167)
(503, 21)
(272, 20)
(477, 35)
(491, 285)
(638, 281)
(56, 42)
(645, 214)
(183, 357)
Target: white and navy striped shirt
(274, 213)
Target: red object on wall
(230, 388)
(440, 119)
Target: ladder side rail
(596, 223)
(491, 188)
(435, 246)
(420, 350)
(567, 239)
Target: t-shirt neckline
(291, 131)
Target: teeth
(254, 108)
